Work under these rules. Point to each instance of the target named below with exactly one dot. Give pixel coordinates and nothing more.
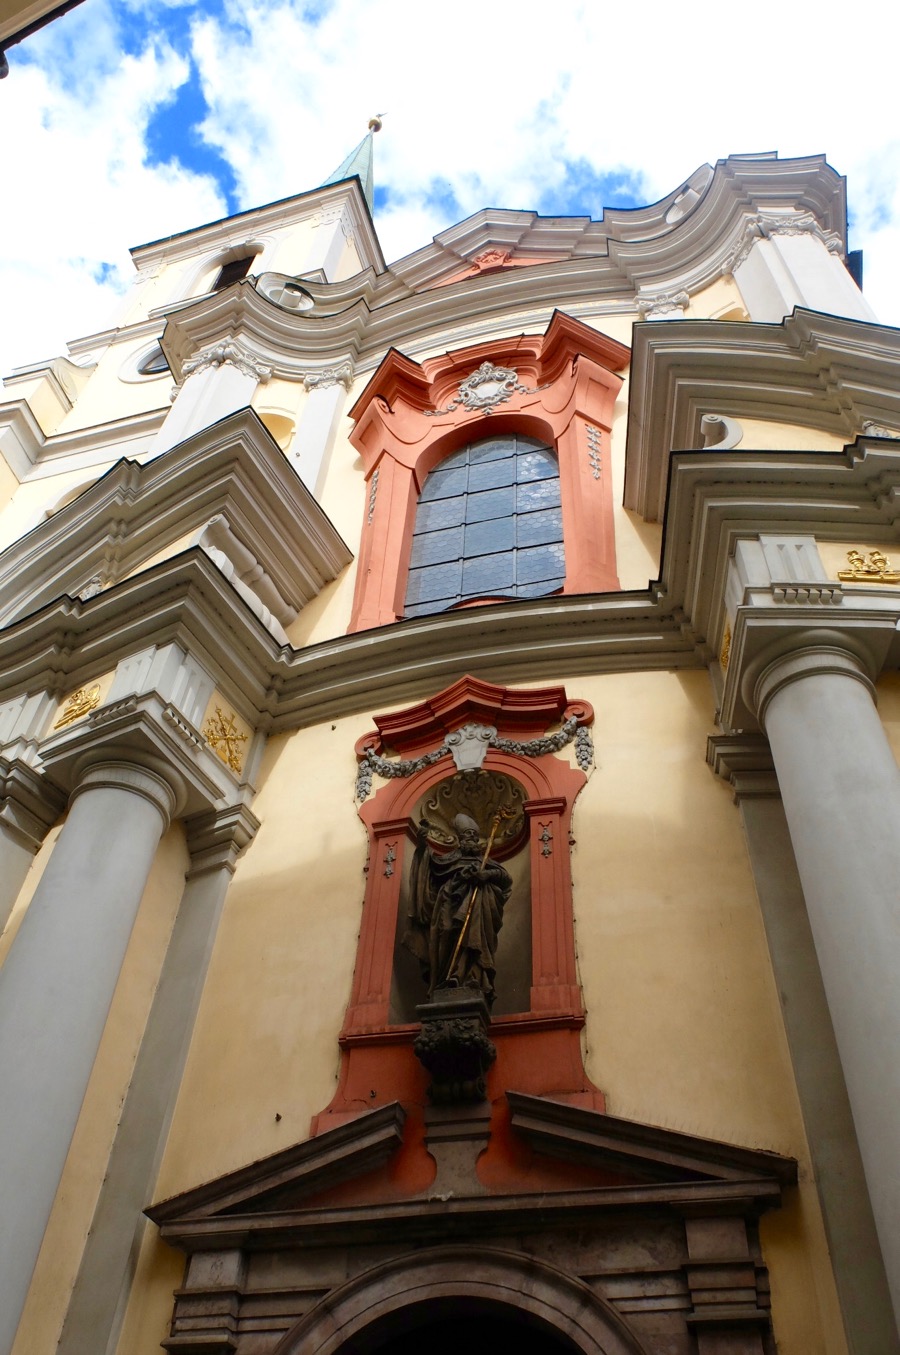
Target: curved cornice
(601, 268)
(821, 371)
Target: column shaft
(841, 791)
(55, 991)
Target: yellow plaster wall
(46, 401)
(29, 506)
(717, 300)
(60, 1255)
(684, 1026)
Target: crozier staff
(456, 910)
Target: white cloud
(487, 108)
(84, 193)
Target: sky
(125, 121)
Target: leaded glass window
(488, 524)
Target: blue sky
(127, 120)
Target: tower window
(233, 271)
(488, 524)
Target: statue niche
(458, 895)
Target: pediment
(644, 1152)
(605, 1163)
(228, 489)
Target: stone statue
(456, 910)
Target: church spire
(360, 162)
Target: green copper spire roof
(360, 162)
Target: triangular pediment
(228, 489)
(284, 1180)
(603, 1163)
(644, 1152)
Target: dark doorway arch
(419, 1292)
(460, 1327)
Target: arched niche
(415, 1291)
(537, 1037)
(550, 787)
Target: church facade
(448, 789)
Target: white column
(101, 1289)
(841, 791)
(788, 260)
(55, 991)
(218, 381)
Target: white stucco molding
(821, 371)
(661, 305)
(326, 377)
(766, 225)
(227, 353)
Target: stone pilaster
(29, 806)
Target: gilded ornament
(874, 568)
(224, 738)
(725, 651)
(81, 702)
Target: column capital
(776, 640)
(30, 803)
(162, 791)
(150, 737)
(827, 652)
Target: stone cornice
(745, 762)
(233, 469)
(715, 498)
(186, 599)
(820, 371)
(684, 238)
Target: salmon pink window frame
(409, 418)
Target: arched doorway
(460, 1327)
(475, 1300)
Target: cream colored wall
(60, 1255)
(684, 1026)
(9, 483)
(107, 397)
(36, 496)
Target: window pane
(538, 529)
(536, 466)
(488, 574)
(435, 581)
(492, 449)
(492, 474)
(445, 513)
(493, 503)
(540, 563)
(443, 484)
(537, 494)
(483, 538)
(434, 548)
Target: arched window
(488, 524)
